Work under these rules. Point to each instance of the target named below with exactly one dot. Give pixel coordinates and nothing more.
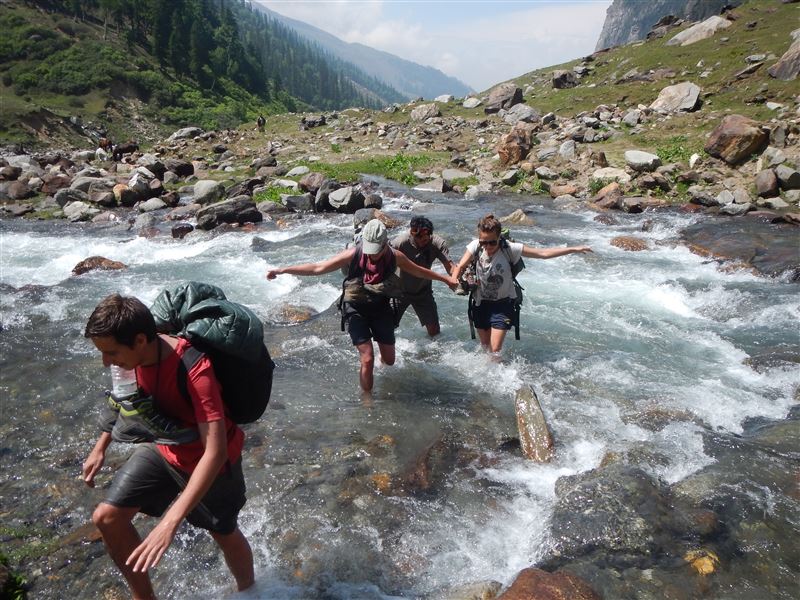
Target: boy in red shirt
(203, 477)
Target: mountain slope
(631, 20)
(411, 79)
(79, 69)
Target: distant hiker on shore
(187, 464)
(260, 123)
(493, 301)
(370, 284)
(422, 247)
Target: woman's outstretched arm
(317, 268)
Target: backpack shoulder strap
(354, 270)
(506, 248)
(189, 359)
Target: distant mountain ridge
(409, 78)
(631, 20)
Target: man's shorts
(370, 321)
(494, 314)
(423, 304)
(149, 482)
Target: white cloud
(481, 51)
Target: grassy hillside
(61, 82)
(722, 56)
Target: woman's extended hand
(273, 273)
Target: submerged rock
(535, 584)
(97, 263)
(629, 243)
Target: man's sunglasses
(420, 232)
(488, 242)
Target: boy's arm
(150, 551)
(96, 458)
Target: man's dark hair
(421, 223)
(122, 318)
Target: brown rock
(518, 217)
(767, 183)
(311, 182)
(629, 243)
(10, 173)
(180, 230)
(605, 220)
(563, 190)
(102, 198)
(18, 190)
(598, 159)
(504, 96)
(430, 467)
(515, 145)
(94, 263)
(736, 139)
(609, 196)
(535, 584)
(534, 435)
(788, 66)
(53, 183)
(296, 314)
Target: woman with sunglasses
(494, 297)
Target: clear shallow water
(606, 338)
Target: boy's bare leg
(121, 538)
(238, 557)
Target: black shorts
(494, 314)
(370, 321)
(423, 304)
(149, 482)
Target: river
(605, 339)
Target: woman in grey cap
(370, 284)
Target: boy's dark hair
(421, 223)
(490, 224)
(122, 318)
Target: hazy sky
(480, 42)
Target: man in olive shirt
(422, 247)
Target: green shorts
(147, 481)
(423, 304)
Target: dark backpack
(516, 267)
(232, 337)
(355, 290)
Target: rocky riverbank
(199, 179)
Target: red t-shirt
(206, 405)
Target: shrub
(273, 194)
(595, 185)
(676, 149)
